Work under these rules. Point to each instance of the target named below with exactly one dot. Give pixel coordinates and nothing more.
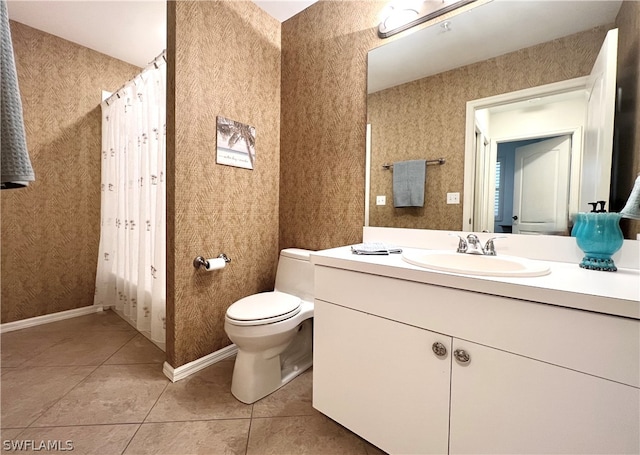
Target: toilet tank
(295, 273)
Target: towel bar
(389, 166)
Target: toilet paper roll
(215, 264)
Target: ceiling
(283, 10)
(132, 31)
(135, 30)
(486, 31)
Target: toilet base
(257, 374)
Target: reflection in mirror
(417, 109)
(513, 186)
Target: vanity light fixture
(401, 15)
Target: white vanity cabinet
(506, 403)
(381, 379)
(540, 378)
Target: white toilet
(273, 330)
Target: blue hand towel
(16, 170)
(408, 183)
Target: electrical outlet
(381, 200)
(453, 198)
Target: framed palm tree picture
(236, 143)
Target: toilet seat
(263, 308)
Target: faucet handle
(489, 247)
(462, 244)
(473, 239)
(475, 245)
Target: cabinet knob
(461, 356)
(439, 349)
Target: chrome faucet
(473, 245)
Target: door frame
(470, 158)
(367, 174)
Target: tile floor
(96, 382)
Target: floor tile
(138, 350)
(303, 435)
(10, 433)
(205, 395)
(4, 369)
(83, 348)
(111, 394)
(229, 359)
(202, 437)
(21, 345)
(101, 408)
(94, 322)
(10, 436)
(294, 399)
(28, 392)
(80, 440)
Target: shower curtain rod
(163, 56)
(154, 63)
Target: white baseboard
(175, 374)
(47, 318)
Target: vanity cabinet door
(505, 403)
(382, 379)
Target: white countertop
(568, 285)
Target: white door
(502, 403)
(598, 138)
(541, 187)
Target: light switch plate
(453, 198)
(381, 200)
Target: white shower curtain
(132, 256)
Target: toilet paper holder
(202, 262)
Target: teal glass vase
(599, 236)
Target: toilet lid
(263, 308)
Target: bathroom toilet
(273, 330)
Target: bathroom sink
(474, 264)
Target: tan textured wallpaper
(425, 119)
(50, 230)
(627, 152)
(324, 77)
(223, 59)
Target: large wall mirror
(503, 93)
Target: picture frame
(235, 143)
